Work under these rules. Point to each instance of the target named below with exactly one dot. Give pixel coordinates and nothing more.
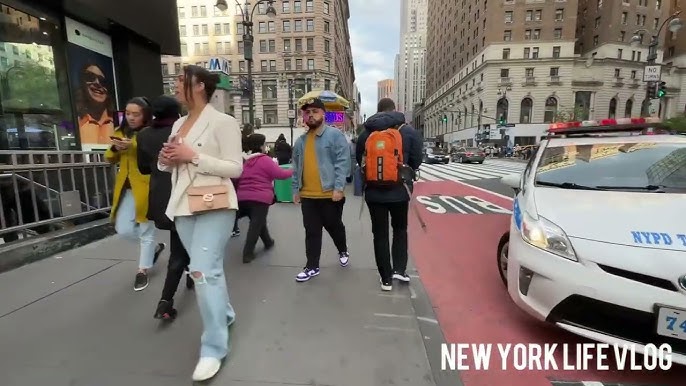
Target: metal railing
(42, 191)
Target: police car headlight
(542, 233)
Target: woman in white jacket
(204, 149)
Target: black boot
(165, 310)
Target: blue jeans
(126, 226)
(205, 237)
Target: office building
(385, 89)
(307, 42)
(526, 64)
(409, 64)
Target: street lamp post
(674, 24)
(291, 107)
(248, 40)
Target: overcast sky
(374, 27)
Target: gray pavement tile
(90, 328)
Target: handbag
(203, 199)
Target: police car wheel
(503, 249)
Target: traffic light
(662, 90)
(445, 119)
(502, 121)
(652, 90)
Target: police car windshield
(628, 166)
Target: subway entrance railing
(44, 191)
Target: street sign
(652, 73)
(219, 65)
(291, 114)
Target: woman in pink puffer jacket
(256, 193)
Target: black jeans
(321, 213)
(257, 213)
(379, 213)
(178, 262)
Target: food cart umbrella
(331, 100)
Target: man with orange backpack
(389, 152)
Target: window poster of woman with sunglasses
(92, 77)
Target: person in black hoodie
(283, 150)
(390, 200)
(166, 110)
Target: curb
(19, 253)
(432, 335)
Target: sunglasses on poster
(90, 77)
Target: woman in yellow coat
(131, 188)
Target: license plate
(671, 322)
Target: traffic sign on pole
(291, 114)
(652, 73)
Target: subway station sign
(219, 65)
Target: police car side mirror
(512, 180)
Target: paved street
(456, 259)
(75, 320)
(491, 168)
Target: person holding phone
(131, 188)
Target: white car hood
(649, 220)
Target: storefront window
(35, 108)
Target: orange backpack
(383, 157)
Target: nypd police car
(597, 241)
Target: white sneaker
(206, 368)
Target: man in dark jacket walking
(283, 150)
(166, 111)
(392, 200)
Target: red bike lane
(456, 258)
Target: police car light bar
(604, 125)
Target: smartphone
(115, 138)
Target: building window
(263, 66)
(227, 29)
(262, 27)
(327, 45)
(287, 45)
(556, 52)
(286, 7)
(326, 8)
(298, 64)
(239, 29)
(507, 36)
(327, 63)
(182, 30)
(327, 27)
(287, 65)
(628, 109)
(271, 26)
(271, 115)
(625, 16)
(309, 6)
(612, 113)
(327, 84)
(297, 7)
(529, 72)
(619, 53)
(550, 112)
(527, 34)
(534, 53)
(595, 41)
(557, 33)
(217, 28)
(184, 49)
(310, 64)
(241, 66)
(269, 89)
(181, 12)
(245, 114)
(272, 45)
(559, 14)
(165, 69)
(272, 65)
(241, 47)
(298, 26)
(310, 44)
(526, 109)
(504, 72)
(196, 30)
(177, 68)
(263, 46)
(286, 26)
(527, 51)
(554, 71)
(508, 16)
(618, 72)
(310, 25)
(298, 45)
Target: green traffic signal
(661, 91)
(445, 119)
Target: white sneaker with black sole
(386, 285)
(344, 259)
(401, 276)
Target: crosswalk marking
(465, 172)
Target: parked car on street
(468, 154)
(596, 243)
(435, 155)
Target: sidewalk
(75, 320)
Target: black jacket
(412, 154)
(283, 152)
(150, 141)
